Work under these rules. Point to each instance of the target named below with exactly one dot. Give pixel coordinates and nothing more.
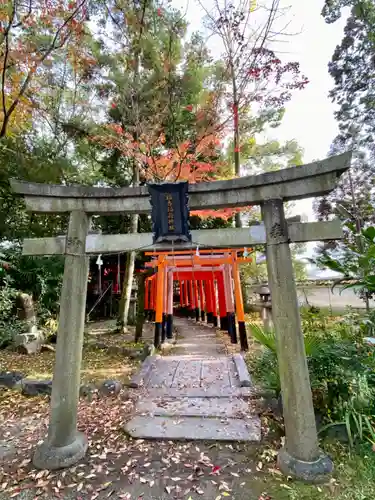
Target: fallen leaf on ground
(215, 470)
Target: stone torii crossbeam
(64, 446)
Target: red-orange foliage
(25, 61)
(188, 161)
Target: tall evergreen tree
(353, 71)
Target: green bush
(342, 374)
(265, 366)
(314, 320)
(341, 366)
(10, 325)
(41, 277)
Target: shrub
(342, 375)
(10, 325)
(313, 320)
(41, 277)
(342, 369)
(265, 367)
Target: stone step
(198, 407)
(194, 428)
(199, 392)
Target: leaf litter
(115, 466)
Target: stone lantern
(265, 306)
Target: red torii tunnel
(209, 288)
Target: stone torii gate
(64, 446)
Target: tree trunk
(140, 308)
(128, 281)
(123, 314)
(237, 168)
(236, 138)
(130, 261)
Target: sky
(309, 117)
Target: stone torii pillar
(300, 456)
(64, 446)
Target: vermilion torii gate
(215, 274)
(64, 446)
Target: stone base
(52, 458)
(224, 323)
(310, 472)
(157, 335)
(163, 328)
(232, 327)
(197, 314)
(169, 326)
(243, 336)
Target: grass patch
(353, 479)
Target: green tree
(351, 68)
(355, 261)
(19, 160)
(165, 104)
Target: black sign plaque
(170, 212)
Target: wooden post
(209, 303)
(222, 304)
(300, 457)
(191, 295)
(165, 305)
(239, 306)
(169, 323)
(159, 299)
(154, 288)
(232, 329)
(202, 303)
(64, 445)
(181, 294)
(186, 297)
(147, 297)
(214, 302)
(196, 299)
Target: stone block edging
(242, 371)
(141, 377)
(32, 388)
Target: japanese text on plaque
(168, 197)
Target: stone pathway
(199, 393)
